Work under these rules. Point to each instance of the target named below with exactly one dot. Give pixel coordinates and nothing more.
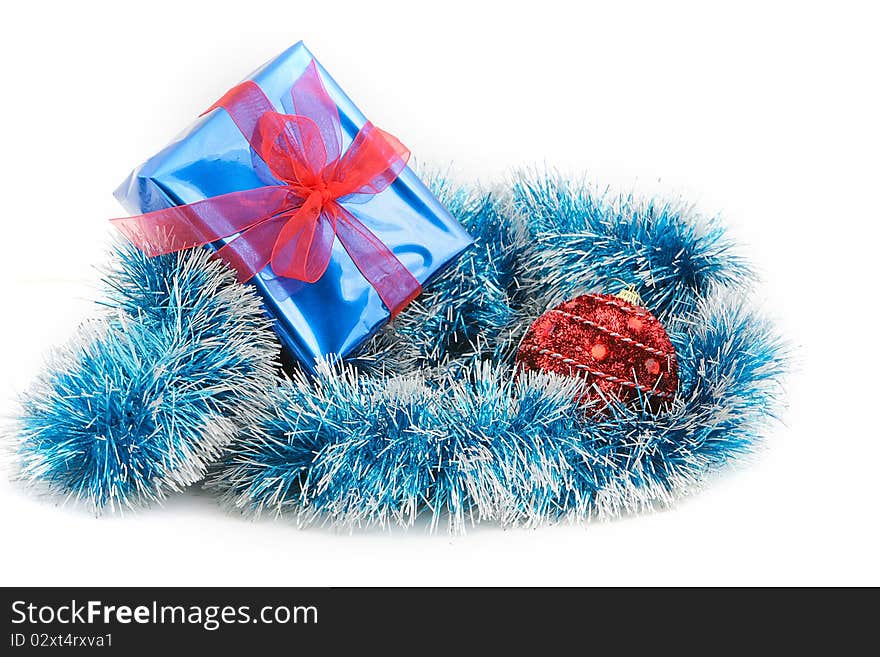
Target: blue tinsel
(430, 421)
(144, 399)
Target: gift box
(391, 229)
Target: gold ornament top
(631, 296)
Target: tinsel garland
(430, 419)
(143, 399)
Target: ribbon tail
(395, 283)
(250, 252)
(197, 224)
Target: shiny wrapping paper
(341, 310)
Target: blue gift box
(336, 314)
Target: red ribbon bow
(292, 225)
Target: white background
(766, 114)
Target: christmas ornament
(620, 350)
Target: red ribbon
(292, 225)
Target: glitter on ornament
(620, 349)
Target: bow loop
(372, 162)
(310, 98)
(293, 149)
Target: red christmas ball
(620, 350)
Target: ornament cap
(631, 296)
